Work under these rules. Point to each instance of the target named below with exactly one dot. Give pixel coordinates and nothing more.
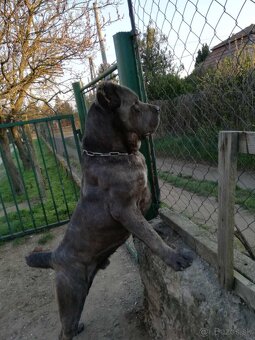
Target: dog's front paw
(80, 328)
(179, 261)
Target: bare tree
(38, 39)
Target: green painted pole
(80, 103)
(130, 75)
(127, 65)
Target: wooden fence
(230, 144)
(236, 271)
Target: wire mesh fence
(198, 61)
(89, 90)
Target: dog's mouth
(149, 133)
(144, 135)
(154, 123)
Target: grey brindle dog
(114, 198)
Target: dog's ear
(107, 95)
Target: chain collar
(107, 154)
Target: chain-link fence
(198, 62)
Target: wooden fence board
(246, 141)
(227, 171)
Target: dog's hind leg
(72, 289)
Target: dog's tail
(40, 260)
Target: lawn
(187, 147)
(201, 147)
(34, 208)
(245, 198)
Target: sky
(187, 24)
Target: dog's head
(134, 116)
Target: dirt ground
(28, 308)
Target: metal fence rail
(36, 190)
(202, 89)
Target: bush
(228, 92)
(166, 87)
(195, 109)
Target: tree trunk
(27, 154)
(8, 162)
(22, 148)
(37, 169)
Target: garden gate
(39, 165)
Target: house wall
(229, 50)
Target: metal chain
(106, 154)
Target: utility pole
(92, 72)
(100, 35)
(92, 69)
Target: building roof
(250, 30)
(228, 47)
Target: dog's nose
(157, 108)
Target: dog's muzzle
(157, 108)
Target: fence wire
(198, 62)
(89, 90)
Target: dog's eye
(136, 106)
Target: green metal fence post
(80, 103)
(130, 75)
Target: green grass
(187, 147)
(245, 198)
(40, 217)
(45, 238)
(201, 147)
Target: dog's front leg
(132, 219)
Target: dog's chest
(142, 180)
(128, 176)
